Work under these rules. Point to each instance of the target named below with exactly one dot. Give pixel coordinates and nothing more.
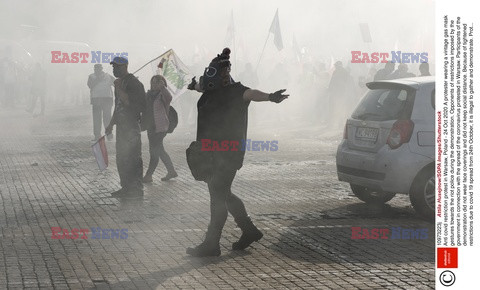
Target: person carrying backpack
(157, 124)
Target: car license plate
(368, 134)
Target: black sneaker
(248, 237)
(169, 176)
(118, 193)
(133, 194)
(205, 250)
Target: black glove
(191, 86)
(277, 97)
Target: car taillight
(345, 133)
(400, 133)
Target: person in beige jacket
(156, 123)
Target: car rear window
(383, 105)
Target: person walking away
(101, 99)
(129, 106)
(156, 119)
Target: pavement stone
(49, 178)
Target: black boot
(210, 246)
(250, 234)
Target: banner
(175, 72)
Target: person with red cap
(223, 115)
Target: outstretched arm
(259, 96)
(195, 86)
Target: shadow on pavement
(326, 237)
(159, 277)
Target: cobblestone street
(49, 178)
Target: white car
(388, 145)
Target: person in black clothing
(129, 105)
(222, 115)
(401, 72)
(385, 73)
(424, 69)
(156, 124)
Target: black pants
(101, 109)
(157, 151)
(129, 157)
(222, 200)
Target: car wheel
(422, 194)
(371, 196)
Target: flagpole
(261, 54)
(268, 36)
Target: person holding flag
(222, 115)
(130, 103)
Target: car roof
(413, 82)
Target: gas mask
(213, 78)
(217, 74)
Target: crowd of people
(222, 115)
(324, 96)
(327, 91)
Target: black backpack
(172, 120)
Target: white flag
(100, 153)
(175, 72)
(275, 29)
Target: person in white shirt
(101, 98)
